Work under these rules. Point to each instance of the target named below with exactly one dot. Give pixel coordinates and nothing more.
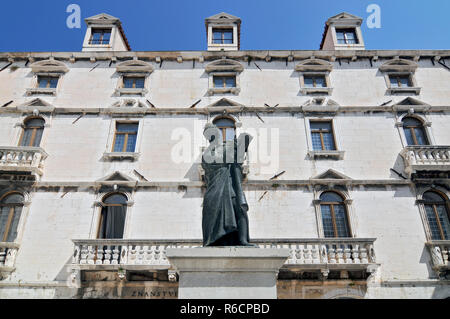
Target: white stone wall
(371, 143)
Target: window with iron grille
(100, 36)
(346, 36)
(334, 215)
(322, 136)
(131, 82)
(224, 81)
(222, 36)
(125, 137)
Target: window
(314, 81)
(224, 81)
(130, 82)
(100, 36)
(226, 127)
(223, 36)
(346, 36)
(112, 219)
(322, 136)
(437, 215)
(32, 132)
(125, 137)
(400, 81)
(47, 82)
(414, 131)
(10, 210)
(334, 215)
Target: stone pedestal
(227, 272)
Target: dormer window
(100, 36)
(346, 36)
(223, 36)
(223, 32)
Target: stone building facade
(349, 167)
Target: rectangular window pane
(404, 80)
(320, 82)
(218, 81)
(131, 143)
(38, 137)
(394, 82)
(341, 221)
(409, 137)
(229, 134)
(443, 218)
(420, 136)
(4, 214)
(327, 221)
(323, 126)
(127, 127)
(432, 223)
(230, 82)
(12, 234)
(42, 82)
(309, 83)
(328, 141)
(53, 82)
(119, 142)
(317, 144)
(26, 139)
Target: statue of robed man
(224, 220)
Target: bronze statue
(224, 220)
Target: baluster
(363, 255)
(139, 255)
(99, 260)
(132, 256)
(445, 250)
(10, 257)
(339, 255)
(91, 254)
(107, 256)
(76, 255)
(115, 255)
(348, 254)
(315, 255)
(124, 254)
(323, 254)
(355, 254)
(3, 252)
(332, 254)
(84, 254)
(307, 254)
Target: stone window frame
(133, 68)
(347, 25)
(314, 67)
(420, 202)
(348, 202)
(20, 126)
(88, 36)
(46, 68)
(337, 154)
(224, 67)
(400, 67)
(218, 46)
(133, 156)
(98, 205)
(422, 118)
(25, 210)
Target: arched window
(414, 131)
(112, 219)
(10, 210)
(334, 215)
(32, 132)
(226, 127)
(437, 215)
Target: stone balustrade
(25, 159)
(8, 253)
(426, 158)
(439, 251)
(304, 253)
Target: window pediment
(134, 66)
(398, 65)
(224, 65)
(314, 65)
(49, 66)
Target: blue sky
(166, 25)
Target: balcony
(316, 257)
(426, 159)
(439, 251)
(8, 253)
(22, 160)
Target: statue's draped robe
(224, 202)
